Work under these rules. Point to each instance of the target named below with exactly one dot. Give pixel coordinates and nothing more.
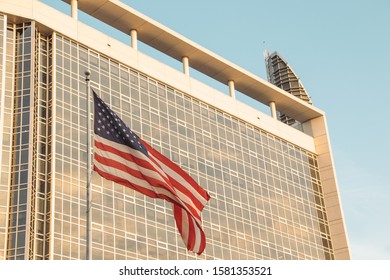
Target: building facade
(273, 188)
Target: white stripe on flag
(155, 175)
(181, 181)
(133, 180)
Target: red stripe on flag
(127, 156)
(178, 170)
(130, 185)
(170, 184)
(135, 173)
(180, 173)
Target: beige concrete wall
(330, 189)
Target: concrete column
(134, 40)
(232, 91)
(186, 65)
(74, 7)
(273, 109)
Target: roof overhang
(154, 34)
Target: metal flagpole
(88, 212)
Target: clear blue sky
(341, 51)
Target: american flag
(121, 156)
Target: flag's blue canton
(108, 125)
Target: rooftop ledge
(154, 34)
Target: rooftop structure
(280, 74)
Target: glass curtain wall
(6, 93)
(266, 193)
(26, 144)
(267, 201)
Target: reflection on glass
(266, 193)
